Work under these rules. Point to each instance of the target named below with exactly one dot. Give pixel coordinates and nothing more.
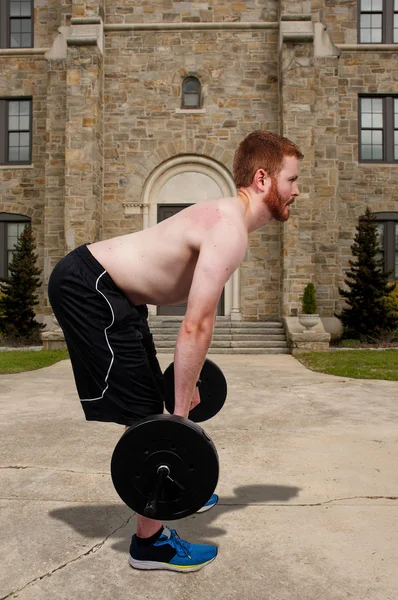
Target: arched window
(11, 227)
(387, 228)
(191, 93)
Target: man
(99, 294)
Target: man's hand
(194, 402)
(195, 398)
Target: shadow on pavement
(98, 521)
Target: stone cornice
(368, 47)
(23, 51)
(236, 26)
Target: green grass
(359, 364)
(17, 361)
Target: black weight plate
(212, 390)
(177, 443)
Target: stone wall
(361, 185)
(103, 121)
(145, 126)
(22, 189)
(190, 11)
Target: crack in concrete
(91, 551)
(55, 469)
(293, 505)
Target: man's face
(283, 190)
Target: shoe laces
(183, 548)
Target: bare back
(181, 257)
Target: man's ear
(261, 180)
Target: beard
(276, 203)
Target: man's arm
(221, 253)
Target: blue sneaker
(209, 504)
(172, 553)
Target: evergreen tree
(368, 315)
(19, 291)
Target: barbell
(166, 467)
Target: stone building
(115, 113)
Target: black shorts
(117, 374)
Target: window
(378, 21)
(191, 89)
(11, 227)
(16, 23)
(387, 227)
(15, 131)
(378, 129)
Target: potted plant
(308, 317)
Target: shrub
(17, 316)
(308, 301)
(368, 315)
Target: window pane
(377, 5)
(191, 100)
(24, 123)
(396, 5)
(13, 108)
(15, 25)
(191, 87)
(377, 121)
(13, 123)
(376, 22)
(13, 154)
(24, 139)
(15, 8)
(366, 120)
(376, 36)
(366, 4)
(366, 152)
(12, 232)
(24, 153)
(15, 40)
(377, 105)
(366, 105)
(26, 9)
(366, 137)
(366, 36)
(13, 139)
(377, 153)
(24, 108)
(26, 40)
(26, 26)
(365, 21)
(377, 137)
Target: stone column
(54, 231)
(297, 101)
(84, 127)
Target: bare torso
(157, 265)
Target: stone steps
(230, 337)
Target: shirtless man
(99, 294)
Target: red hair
(261, 150)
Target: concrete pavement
(308, 492)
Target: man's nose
(296, 191)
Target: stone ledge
(191, 26)
(53, 340)
(296, 31)
(316, 340)
(296, 17)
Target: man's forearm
(190, 353)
